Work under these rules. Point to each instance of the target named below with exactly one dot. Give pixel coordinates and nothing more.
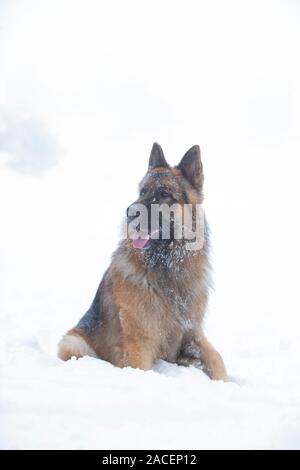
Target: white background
(85, 89)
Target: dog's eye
(163, 193)
(142, 192)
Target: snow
(91, 103)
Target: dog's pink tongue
(140, 240)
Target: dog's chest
(166, 303)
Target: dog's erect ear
(191, 167)
(157, 157)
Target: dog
(152, 299)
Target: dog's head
(158, 215)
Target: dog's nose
(132, 212)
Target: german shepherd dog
(152, 299)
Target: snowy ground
(83, 93)
(83, 404)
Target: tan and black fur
(150, 303)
